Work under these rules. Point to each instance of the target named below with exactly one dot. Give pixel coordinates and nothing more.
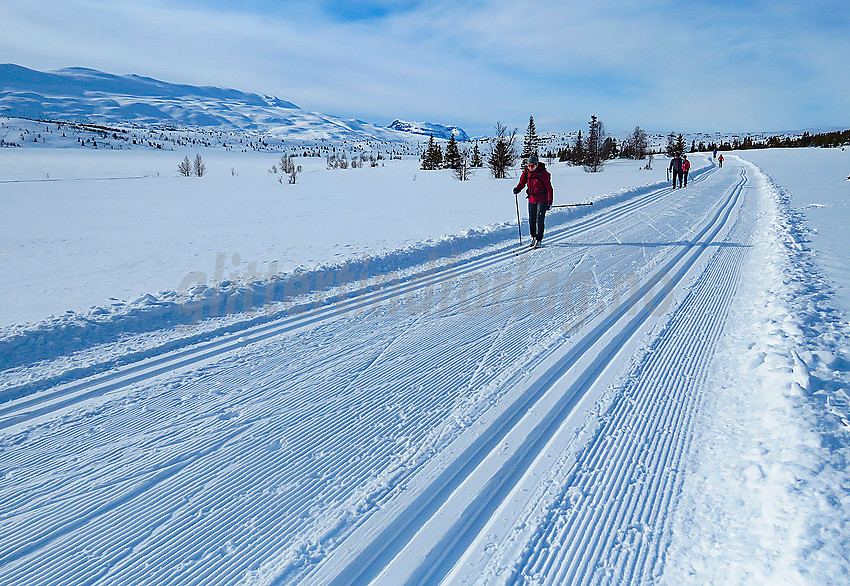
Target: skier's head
(532, 161)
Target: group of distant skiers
(536, 178)
(680, 166)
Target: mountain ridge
(80, 94)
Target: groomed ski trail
(511, 418)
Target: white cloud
(660, 64)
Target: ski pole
(518, 223)
(572, 205)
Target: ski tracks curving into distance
(509, 419)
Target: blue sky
(696, 66)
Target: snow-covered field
(83, 226)
(658, 395)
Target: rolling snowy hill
(90, 96)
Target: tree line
(590, 151)
(823, 140)
(593, 149)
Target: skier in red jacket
(539, 183)
(686, 166)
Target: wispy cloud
(663, 65)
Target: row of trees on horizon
(590, 151)
(595, 148)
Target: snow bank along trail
(510, 418)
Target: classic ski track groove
(21, 410)
(103, 509)
(415, 542)
(663, 399)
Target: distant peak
(428, 128)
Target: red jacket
(539, 184)
(686, 165)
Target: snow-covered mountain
(429, 128)
(90, 96)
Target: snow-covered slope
(429, 128)
(91, 96)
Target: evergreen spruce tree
(610, 150)
(671, 144)
(476, 162)
(433, 157)
(503, 155)
(452, 158)
(593, 155)
(577, 154)
(680, 145)
(428, 156)
(532, 141)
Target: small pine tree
(433, 157)
(680, 145)
(532, 141)
(593, 156)
(503, 155)
(610, 150)
(452, 158)
(577, 153)
(428, 155)
(671, 144)
(476, 162)
(438, 157)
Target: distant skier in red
(539, 196)
(720, 160)
(686, 167)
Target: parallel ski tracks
(162, 495)
(420, 538)
(17, 412)
(625, 479)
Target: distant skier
(720, 160)
(539, 183)
(715, 154)
(676, 167)
(686, 167)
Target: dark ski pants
(536, 218)
(685, 175)
(677, 175)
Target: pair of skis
(519, 223)
(527, 248)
